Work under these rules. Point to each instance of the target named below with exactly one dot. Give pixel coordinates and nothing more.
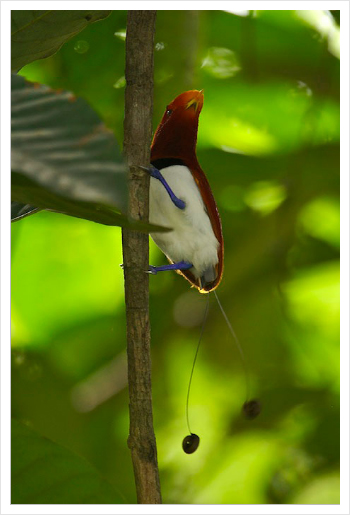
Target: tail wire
(195, 359)
(238, 345)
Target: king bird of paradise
(181, 199)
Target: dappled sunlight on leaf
(221, 63)
(238, 12)
(120, 83)
(321, 219)
(313, 307)
(324, 23)
(121, 34)
(314, 296)
(245, 459)
(265, 196)
(222, 132)
(20, 333)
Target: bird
(180, 198)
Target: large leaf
(26, 190)
(39, 34)
(64, 159)
(43, 472)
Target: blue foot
(154, 172)
(181, 265)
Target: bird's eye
(168, 112)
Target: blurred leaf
(90, 75)
(246, 465)
(321, 219)
(39, 34)
(312, 303)
(19, 210)
(245, 117)
(301, 169)
(265, 196)
(336, 16)
(26, 190)
(221, 63)
(64, 159)
(70, 270)
(324, 489)
(60, 145)
(314, 297)
(46, 473)
(283, 44)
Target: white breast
(192, 238)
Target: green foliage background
(269, 144)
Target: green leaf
(64, 159)
(25, 190)
(43, 472)
(323, 489)
(39, 34)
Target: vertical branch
(137, 140)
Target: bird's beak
(196, 101)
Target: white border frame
(6, 507)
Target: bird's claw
(151, 270)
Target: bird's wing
(212, 210)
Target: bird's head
(176, 135)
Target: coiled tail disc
(190, 443)
(251, 409)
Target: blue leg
(154, 172)
(181, 265)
